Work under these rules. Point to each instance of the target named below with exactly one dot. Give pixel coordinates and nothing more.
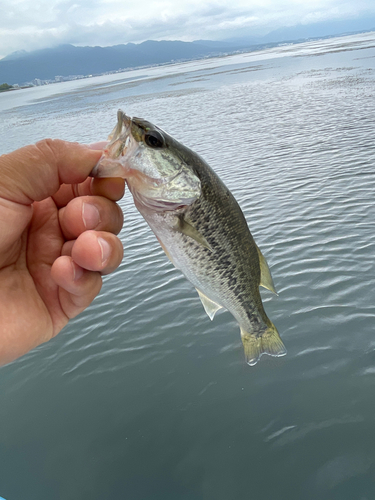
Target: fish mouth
(122, 128)
(112, 162)
(120, 136)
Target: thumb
(36, 172)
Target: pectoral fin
(209, 305)
(266, 280)
(185, 227)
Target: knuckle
(47, 147)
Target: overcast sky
(29, 24)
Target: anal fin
(209, 305)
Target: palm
(28, 296)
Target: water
(142, 397)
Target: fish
(199, 225)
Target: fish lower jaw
(109, 168)
(146, 203)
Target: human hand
(57, 238)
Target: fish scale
(199, 225)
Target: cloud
(31, 25)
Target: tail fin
(268, 342)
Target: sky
(36, 24)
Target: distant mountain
(217, 44)
(301, 32)
(317, 30)
(15, 55)
(66, 60)
(21, 66)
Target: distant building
(37, 82)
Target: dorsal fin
(266, 280)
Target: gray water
(142, 397)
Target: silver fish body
(198, 223)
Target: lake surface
(142, 397)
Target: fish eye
(154, 139)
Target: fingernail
(77, 271)
(105, 248)
(98, 145)
(90, 215)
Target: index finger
(36, 172)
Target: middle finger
(90, 212)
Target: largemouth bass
(199, 225)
